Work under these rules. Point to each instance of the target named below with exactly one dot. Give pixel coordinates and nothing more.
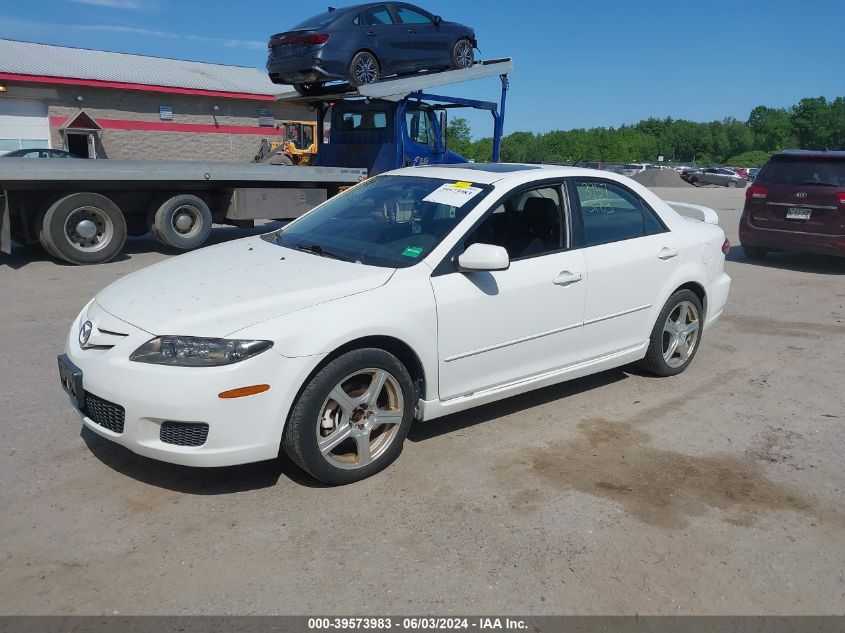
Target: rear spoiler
(710, 216)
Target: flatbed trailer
(82, 210)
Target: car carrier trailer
(81, 211)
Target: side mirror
(437, 20)
(479, 257)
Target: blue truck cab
(381, 135)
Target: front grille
(184, 433)
(107, 414)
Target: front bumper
(240, 430)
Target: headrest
(541, 213)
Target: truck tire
(183, 222)
(83, 228)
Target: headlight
(191, 351)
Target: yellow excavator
(296, 146)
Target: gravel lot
(717, 491)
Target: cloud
(131, 30)
(113, 4)
(47, 29)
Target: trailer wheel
(83, 228)
(183, 222)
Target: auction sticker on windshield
(454, 194)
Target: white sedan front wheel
(351, 419)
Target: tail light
(308, 39)
(726, 246)
(756, 192)
(841, 196)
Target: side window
(419, 128)
(526, 224)
(375, 16)
(407, 15)
(611, 213)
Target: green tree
(459, 136)
(754, 158)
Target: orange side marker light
(240, 392)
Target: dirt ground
(721, 490)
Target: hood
(217, 290)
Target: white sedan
(415, 294)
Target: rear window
(317, 21)
(804, 171)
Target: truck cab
(381, 135)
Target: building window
(266, 118)
(165, 113)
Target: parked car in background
(364, 43)
(632, 169)
(740, 171)
(39, 153)
(752, 173)
(714, 176)
(499, 279)
(797, 203)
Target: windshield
(391, 221)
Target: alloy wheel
(680, 334)
(360, 419)
(366, 69)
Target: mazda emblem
(85, 333)
(801, 194)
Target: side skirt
(431, 409)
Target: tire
(731, 184)
(663, 358)
(363, 69)
(463, 55)
(183, 222)
(755, 252)
(317, 416)
(83, 228)
(280, 159)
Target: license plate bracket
(798, 213)
(71, 378)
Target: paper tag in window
(455, 195)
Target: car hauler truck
(81, 211)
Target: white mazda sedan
(415, 294)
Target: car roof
(489, 173)
(811, 153)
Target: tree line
(813, 123)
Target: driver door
(500, 327)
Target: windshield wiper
(316, 249)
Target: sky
(577, 63)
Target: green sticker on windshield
(412, 251)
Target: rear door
(386, 38)
(630, 256)
(802, 194)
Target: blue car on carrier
(364, 43)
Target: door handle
(412, 31)
(371, 33)
(667, 253)
(565, 278)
